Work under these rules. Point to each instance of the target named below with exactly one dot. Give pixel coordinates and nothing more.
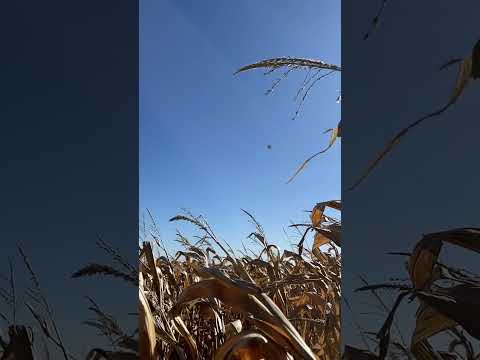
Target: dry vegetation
(42, 338)
(469, 70)
(448, 301)
(447, 297)
(315, 70)
(209, 303)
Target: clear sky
(204, 132)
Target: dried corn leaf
(333, 137)
(468, 238)
(460, 303)
(468, 70)
(147, 334)
(423, 259)
(233, 328)
(429, 322)
(476, 60)
(249, 345)
(191, 344)
(424, 351)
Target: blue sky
(204, 132)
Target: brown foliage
(448, 301)
(207, 302)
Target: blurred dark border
(69, 153)
(429, 182)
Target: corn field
(208, 303)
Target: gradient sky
(204, 132)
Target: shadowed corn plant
(448, 301)
(20, 343)
(123, 345)
(43, 339)
(209, 302)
